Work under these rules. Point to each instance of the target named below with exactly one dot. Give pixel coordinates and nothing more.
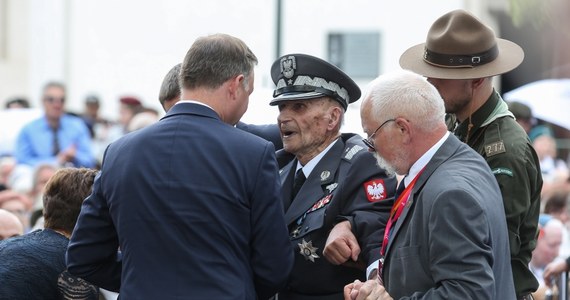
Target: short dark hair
(214, 59)
(18, 101)
(557, 202)
(170, 87)
(63, 196)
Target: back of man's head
(170, 89)
(214, 59)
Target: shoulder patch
(350, 152)
(375, 190)
(503, 171)
(495, 148)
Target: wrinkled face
(303, 125)
(455, 93)
(53, 101)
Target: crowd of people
(453, 194)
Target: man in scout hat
(460, 57)
(331, 180)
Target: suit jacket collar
(192, 109)
(324, 173)
(447, 149)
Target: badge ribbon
(395, 213)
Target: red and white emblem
(375, 190)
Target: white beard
(383, 164)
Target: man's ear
(234, 86)
(335, 117)
(405, 129)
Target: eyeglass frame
(369, 141)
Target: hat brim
(510, 56)
(295, 96)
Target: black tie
(298, 183)
(400, 189)
(55, 145)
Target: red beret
(128, 100)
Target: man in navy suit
(170, 94)
(343, 203)
(192, 202)
(447, 236)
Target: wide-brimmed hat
(460, 46)
(304, 77)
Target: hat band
(459, 61)
(308, 89)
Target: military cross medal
(308, 251)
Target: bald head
(10, 225)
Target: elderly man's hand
(369, 290)
(341, 245)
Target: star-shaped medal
(308, 251)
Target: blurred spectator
(56, 137)
(555, 172)
(523, 115)
(18, 204)
(547, 247)
(17, 103)
(91, 113)
(7, 165)
(36, 268)
(10, 225)
(142, 120)
(130, 106)
(556, 205)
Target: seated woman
(33, 265)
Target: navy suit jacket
(194, 205)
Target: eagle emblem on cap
(288, 66)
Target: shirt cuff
(373, 267)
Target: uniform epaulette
(354, 145)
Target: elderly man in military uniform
(336, 199)
(460, 57)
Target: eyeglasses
(370, 140)
(51, 99)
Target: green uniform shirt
(508, 151)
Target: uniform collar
(308, 168)
(478, 117)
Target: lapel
(324, 173)
(447, 149)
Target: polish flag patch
(375, 190)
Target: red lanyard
(396, 211)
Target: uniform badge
(495, 148)
(375, 190)
(325, 175)
(308, 251)
(331, 187)
(288, 67)
(296, 232)
(321, 203)
(503, 171)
